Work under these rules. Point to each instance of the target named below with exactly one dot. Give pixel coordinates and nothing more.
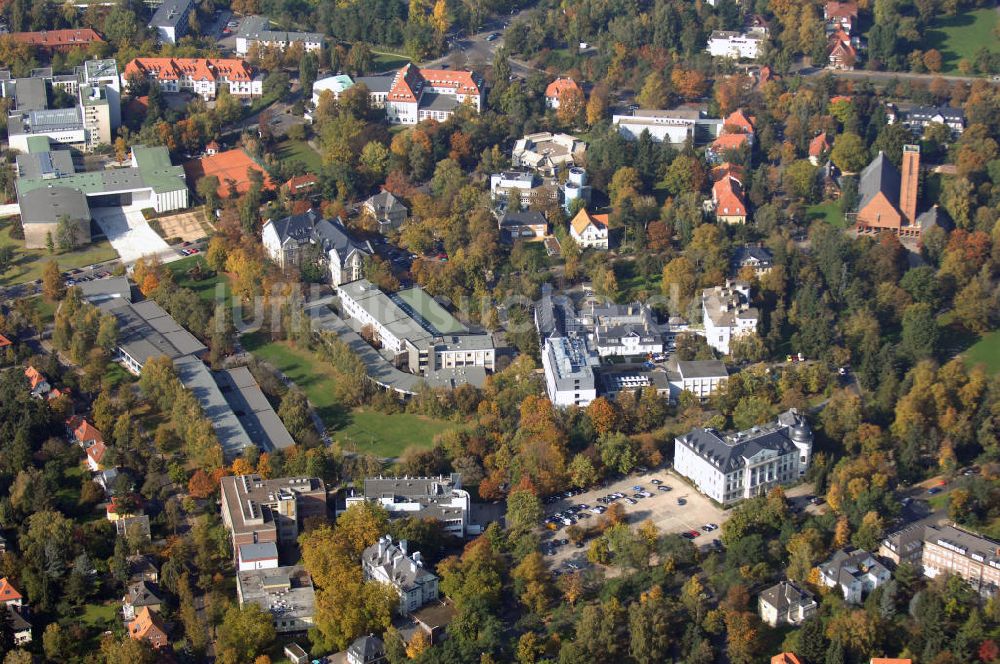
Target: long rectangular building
(441, 498)
(202, 76)
(950, 550)
(146, 331)
(256, 510)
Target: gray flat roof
(258, 551)
(31, 94)
(432, 101)
(170, 14)
(379, 84)
(45, 164)
(702, 369)
(104, 289)
(43, 206)
(197, 378)
(253, 409)
(145, 330)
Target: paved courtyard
(661, 508)
(185, 226)
(128, 232)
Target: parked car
(682, 501)
(664, 487)
(930, 492)
(694, 533)
(655, 481)
(631, 501)
(637, 488)
(493, 37)
(599, 509)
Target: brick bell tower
(909, 184)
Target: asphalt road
(476, 51)
(863, 74)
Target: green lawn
(388, 435)
(300, 151)
(204, 287)
(631, 283)
(830, 211)
(387, 61)
(29, 263)
(961, 36)
(100, 615)
(357, 430)
(985, 351)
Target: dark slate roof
(16, 619)
(525, 218)
(366, 649)
(762, 254)
(552, 312)
(385, 202)
(331, 234)
(785, 594)
(947, 112)
(880, 175)
(935, 216)
(144, 593)
(297, 227)
(727, 453)
(309, 226)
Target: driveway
(128, 232)
(661, 508)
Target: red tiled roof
(4, 341)
(584, 219)
(35, 376)
(891, 660)
(86, 431)
(738, 119)
(57, 38)
(840, 98)
(113, 504)
(557, 87)
(819, 145)
(301, 182)
(410, 81)
(786, 658)
(840, 45)
(836, 9)
(147, 627)
(729, 142)
(198, 69)
(228, 165)
(56, 393)
(727, 191)
(7, 592)
(97, 451)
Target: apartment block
(256, 510)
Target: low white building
(735, 45)
(855, 572)
(702, 378)
(677, 126)
(569, 365)
(507, 184)
(441, 498)
(590, 230)
(391, 564)
(733, 467)
(727, 314)
(259, 555)
(627, 330)
(785, 604)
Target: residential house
(256, 31)
(201, 76)
(299, 185)
(547, 153)
(887, 199)
(702, 378)
(753, 257)
(555, 90)
(142, 568)
(128, 527)
(842, 52)
(626, 330)
(840, 16)
(786, 658)
(728, 201)
(919, 118)
(819, 148)
(95, 456)
(296, 654)
(256, 510)
(529, 225)
(259, 555)
(287, 593)
(785, 604)
(729, 468)
(212, 148)
(289, 240)
(140, 595)
(736, 45)
(387, 211)
(719, 149)
(148, 627)
(9, 595)
(440, 498)
(855, 572)
(727, 314)
(123, 507)
(431, 94)
(366, 650)
(390, 563)
(891, 660)
(19, 624)
(590, 230)
(170, 20)
(39, 385)
(951, 550)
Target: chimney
(381, 548)
(403, 545)
(909, 183)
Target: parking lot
(661, 507)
